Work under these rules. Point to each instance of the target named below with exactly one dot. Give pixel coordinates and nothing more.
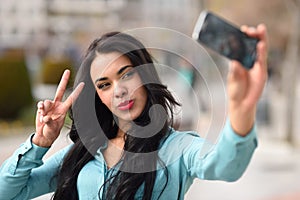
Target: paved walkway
(273, 173)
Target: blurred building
(22, 21)
(32, 22)
(177, 15)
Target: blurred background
(41, 38)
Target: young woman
(124, 144)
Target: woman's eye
(128, 74)
(103, 86)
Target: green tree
(15, 88)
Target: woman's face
(119, 85)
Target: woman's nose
(120, 91)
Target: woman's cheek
(106, 99)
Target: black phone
(225, 38)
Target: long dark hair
(125, 183)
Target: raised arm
(230, 157)
(245, 86)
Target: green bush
(15, 88)
(53, 69)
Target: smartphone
(225, 38)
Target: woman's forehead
(106, 63)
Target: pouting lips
(126, 105)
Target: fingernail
(41, 119)
(244, 28)
(252, 29)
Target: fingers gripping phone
(224, 38)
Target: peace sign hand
(51, 114)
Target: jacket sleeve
(227, 160)
(25, 176)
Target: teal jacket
(25, 176)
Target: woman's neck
(124, 127)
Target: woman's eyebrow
(123, 69)
(118, 73)
(101, 79)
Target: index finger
(73, 96)
(62, 86)
(262, 46)
(262, 33)
(259, 32)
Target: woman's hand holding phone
(246, 86)
(225, 38)
(247, 49)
